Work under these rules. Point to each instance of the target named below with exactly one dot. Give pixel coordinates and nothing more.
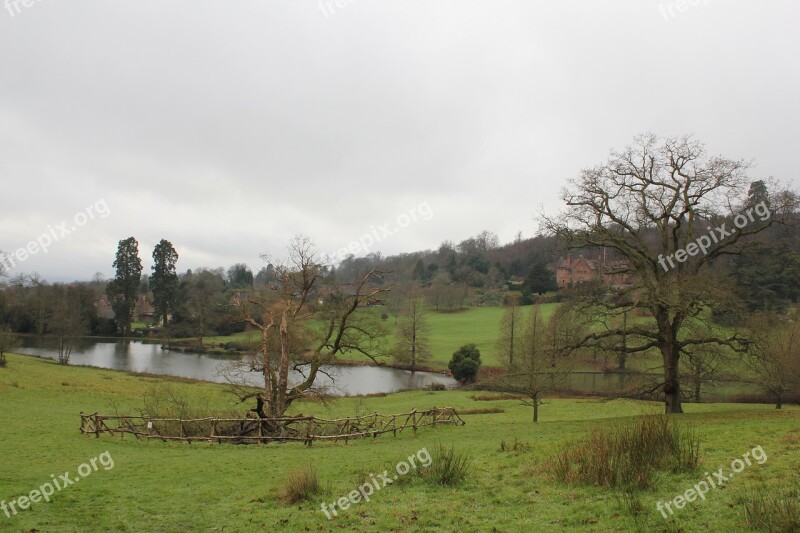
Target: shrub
(627, 454)
(465, 363)
(436, 386)
(448, 467)
(765, 509)
(300, 484)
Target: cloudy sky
(229, 127)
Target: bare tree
(285, 314)
(67, 321)
(535, 370)
(205, 297)
(411, 340)
(704, 364)
(511, 326)
(667, 209)
(773, 355)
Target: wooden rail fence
(305, 429)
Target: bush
(436, 386)
(448, 467)
(465, 363)
(627, 455)
(764, 509)
(300, 484)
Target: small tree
(411, 345)
(542, 364)
(67, 322)
(465, 363)
(7, 341)
(773, 355)
(703, 365)
(206, 299)
(510, 333)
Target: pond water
(148, 356)
(144, 356)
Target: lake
(144, 356)
(147, 356)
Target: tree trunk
(672, 386)
(697, 383)
(414, 345)
(670, 353)
(624, 355)
(535, 407)
(779, 402)
(283, 368)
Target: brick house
(581, 270)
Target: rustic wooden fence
(304, 429)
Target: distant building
(142, 312)
(104, 309)
(571, 270)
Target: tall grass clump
(448, 467)
(769, 510)
(628, 454)
(300, 484)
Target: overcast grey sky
(229, 127)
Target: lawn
(448, 331)
(157, 486)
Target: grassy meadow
(156, 486)
(448, 331)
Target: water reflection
(143, 356)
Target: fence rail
(304, 429)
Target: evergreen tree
(164, 280)
(121, 290)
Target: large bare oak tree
(668, 209)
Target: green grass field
(448, 331)
(155, 486)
